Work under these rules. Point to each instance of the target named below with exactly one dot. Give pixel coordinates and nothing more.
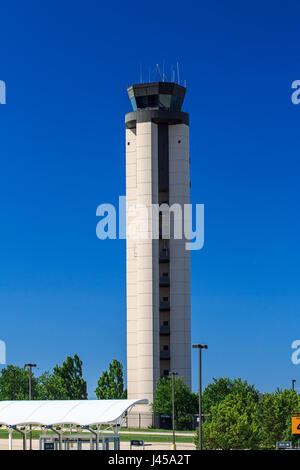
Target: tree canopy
(274, 417)
(110, 384)
(186, 402)
(64, 383)
(218, 390)
(231, 423)
(14, 383)
(238, 417)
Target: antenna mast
(141, 73)
(172, 74)
(178, 78)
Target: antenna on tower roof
(178, 78)
(172, 74)
(163, 76)
(158, 72)
(141, 73)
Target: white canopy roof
(57, 412)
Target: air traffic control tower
(158, 268)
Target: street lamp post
(200, 347)
(173, 374)
(293, 384)
(30, 366)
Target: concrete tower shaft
(158, 270)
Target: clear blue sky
(67, 65)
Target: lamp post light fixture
(173, 374)
(293, 384)
(30, 366)
(200, 347)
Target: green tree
(229, 407)
(231, 424)
(65, 383)
(186, 402)
(52, 387)
(14, 384)
(217, 391)
(274, 417)
(111, 384)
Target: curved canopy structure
(59, 412)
